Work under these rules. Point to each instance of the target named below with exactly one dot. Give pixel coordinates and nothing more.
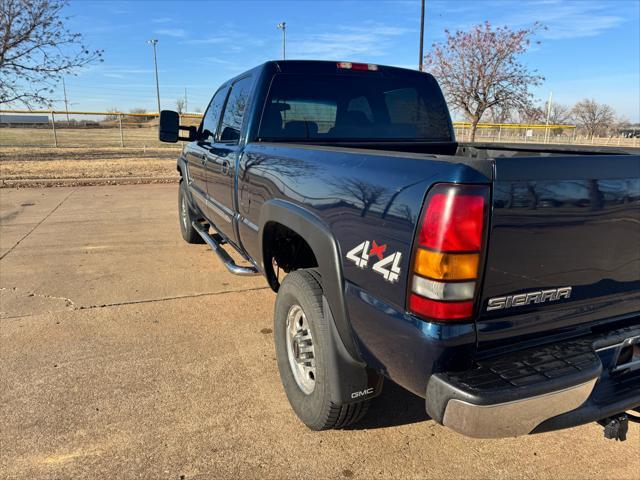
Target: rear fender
(353, 380)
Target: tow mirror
(169, 125)
(169, 130)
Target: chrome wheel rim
(183, 212)
(300, 349)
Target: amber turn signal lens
(446, 266)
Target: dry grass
(87, 163)
(81, 137)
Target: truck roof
(320, 67)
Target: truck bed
(560, 217)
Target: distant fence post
(121, 134)
(499, 132)
(53, 127)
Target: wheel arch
(316, 233)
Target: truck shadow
(394, 407)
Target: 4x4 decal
(388, 267)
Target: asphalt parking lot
(126, 353)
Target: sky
(590, 49)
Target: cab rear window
(350, 107)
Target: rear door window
(234, 111)
(212, 116)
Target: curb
(72, 182)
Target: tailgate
(564, 245)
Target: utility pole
(546, 130)
(186, 108)
(421, 60)
(66, 102)
(154, 42)
(283, 26)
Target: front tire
(186, 216)
(301, 335)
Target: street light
(421, 60)
(283, 26)
(154, 42)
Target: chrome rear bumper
(511, 419)
(540, 389)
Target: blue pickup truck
(501, 283)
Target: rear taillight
(448, 248)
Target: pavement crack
(164, 299)
(68, 302)
(24, 237)
(72, 306)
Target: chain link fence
(21, 128)
(540, 134)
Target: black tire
(315, 409)
(186, 216)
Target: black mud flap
(350, 380)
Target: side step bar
(215, 244)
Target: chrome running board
(215, 243)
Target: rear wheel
(301, 336)
(187, 216)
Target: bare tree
(479, 69)
(180, 103)
(500, 114)
(559, 114)
(139, 117)
(36, 50)
(530, 114)
(112, 114)
(594, 117)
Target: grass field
(81, 137)
(87, 154)
(35, 164)
(147, 136)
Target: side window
(212, 116)
(403, 105)
(307, 118)
(361, 104)
(425, 115)
(235, 109)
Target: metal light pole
(546, 130)
(421, 60)
(154, 42)
(66, 102)
(283, 26)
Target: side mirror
(169, 130)
(169, 126)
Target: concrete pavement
(126, 353)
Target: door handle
(225, 167)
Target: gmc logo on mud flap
(540, 296)
(362, 393)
